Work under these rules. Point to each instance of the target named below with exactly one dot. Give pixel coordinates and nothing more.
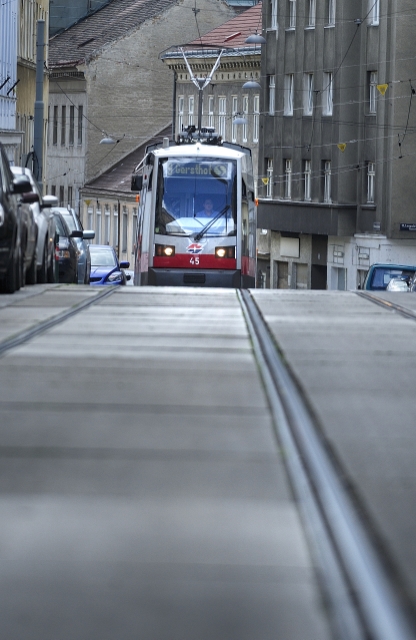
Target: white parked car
(41, 207)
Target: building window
(292, 14)
(125, 226)
(191, 104)
(90, 213)
(327, 95)
(181, 101)
(63, 125)
(288, 178)
(98, 225)
(245, 115)
(55, 126)
(234, 112)
(53, 190)
(222, 111)
(312, 13)
(269, 178)
(374, 12)
(307, 180)
(70, 204)
(61, 196)
(308, 94)
(288, 95)
(371, 176)
(80, 123)
(71, 124)
(331, 13)
(327, 182)
(256, 118)
(272, 94)
(135, 227)
(273, 14)
(107, 224)
(373, 91)
(115, 227)
(211, 112)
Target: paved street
(142, 490)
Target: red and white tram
(181, 238)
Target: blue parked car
(105, 267)
(379, 275)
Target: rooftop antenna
(201, 83)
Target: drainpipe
(39, 105)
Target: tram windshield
(196, 197)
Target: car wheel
(10, 281)
(43, 270)
(32, 270)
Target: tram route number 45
(194, 260)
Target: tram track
(26, 335)
(387, 304)
(361, 600)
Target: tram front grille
(194, 278)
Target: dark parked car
(84, 258)
(28, 233)
(379, 275)
(105, 267)
(45, 222)
(11, 256)
(66, 251)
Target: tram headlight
(164, 250)
(225, 252)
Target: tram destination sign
(199, 169)
(408, 226)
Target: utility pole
(39, 105)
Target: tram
(197, 213)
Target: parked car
(84, 257)
(379, 275)
(11, 257)
(28, 234)
(401, 283)
(66, 250)
(105, 267)
(41, 208)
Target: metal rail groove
(362, 603)
(392, 306)
(30, 333)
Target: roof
(234, 32)
(117, 178)
(115, 20)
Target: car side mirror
(136, 182)
(88, 234)
(21, 184)
(49, 201)
(30, 198)
(124, 265)
(76, 234)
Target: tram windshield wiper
(209, 224)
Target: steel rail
(41, 327)
(392, 306)
(361, 600)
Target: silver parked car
(84, 258)
(45, 246)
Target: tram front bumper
(195, 277)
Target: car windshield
(70, 221)
(383, 275)
(60, 227)
(102, 257)
(196, 196)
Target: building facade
(336, 146)
(9, 134)
(107, 82)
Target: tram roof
(200, 149)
